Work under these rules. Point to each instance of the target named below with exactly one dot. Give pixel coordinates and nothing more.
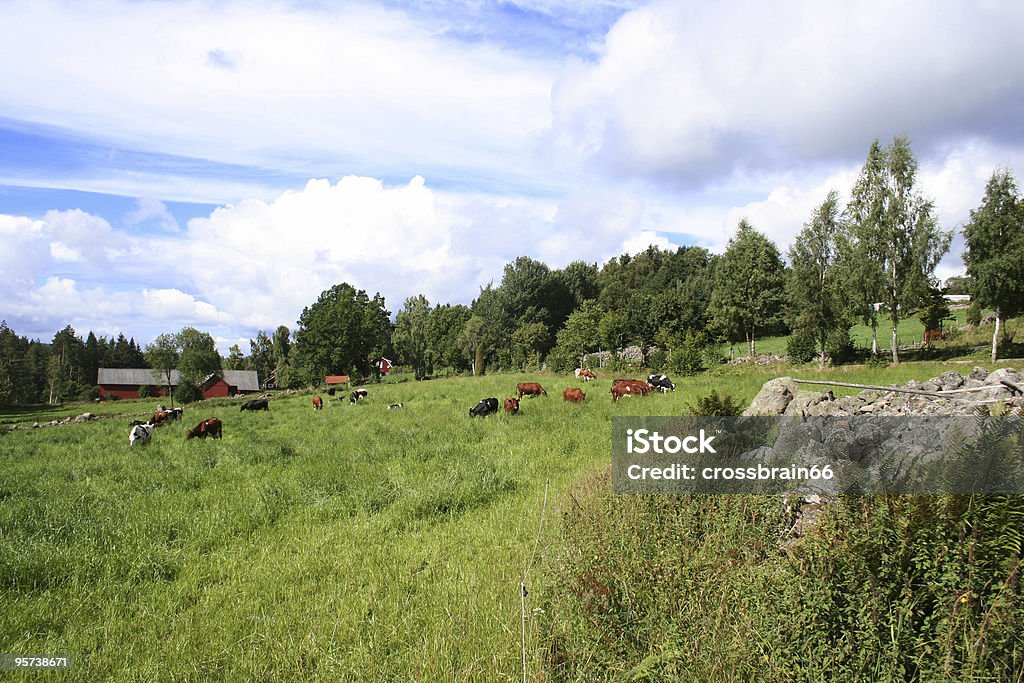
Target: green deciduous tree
(341, 333)
(198, 357)
(816, 298)
(894, 233)
(995, 250)
(749, 284)
(162, 354)
(410, 338)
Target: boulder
(773, 398)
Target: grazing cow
(587, 375)
(160, 416)
(511, 405)
(932, 334)
(177, 413)
(332, 391)
(255, 404)
(211, 428)
(140, 434)
(661, 382)
(395, 406)
(356, 395)
(318, 403)
(486, 406)
(573, 395)
(530, 389)
(630, 387)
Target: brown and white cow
(211, 427)
(511, 405)
(318, 403)
(573, 395)
(587, 375)
(530, 389)
(629, 387)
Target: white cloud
(697, 91)
(152, 211)
(275, 86)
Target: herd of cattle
(620, 388)
(142, 432)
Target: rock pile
(948, 394)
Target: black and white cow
(356, 395)
(395, 406)
(661, 382)
(140, 434)
(486, 406)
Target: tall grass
(353, 543)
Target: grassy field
(354, 543)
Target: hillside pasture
(352, 543)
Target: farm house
(125, 383)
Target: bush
(187, 392)
(801, 347)
(839, 346)
(974, 314)
(688, 357)
(89, 394)
(144, 391)
(716, 405)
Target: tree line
(870, 261)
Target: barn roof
(138, 376)
(243, 380)
(336, 379)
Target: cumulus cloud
(151, 211)
(694, 93)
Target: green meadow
(352, 543)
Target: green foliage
(801, 347)
(883, 588)
(198, 357)
(814, 287)
(995, 250)
(410, 337)
(974, 314)
(934, 310)
(162, 354)
(341, 333)
(144, 391)
(187, 391)
(749, 283)
(715, 405)
(688, 354)
(893, 243)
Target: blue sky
(219, 164)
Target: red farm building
(125, 383)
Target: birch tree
(995, 251)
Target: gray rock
(978, 374)
(773, 398)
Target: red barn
(126, 382)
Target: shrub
(974, 314)
(716, 405)
(187, 392)
(144, 391)
(801, 347)
(688, 357)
